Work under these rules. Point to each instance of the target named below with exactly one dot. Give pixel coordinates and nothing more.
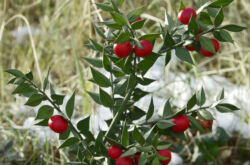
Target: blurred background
(42, 34)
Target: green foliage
(123, 80)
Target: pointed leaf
(70, 105)
(69, 142)
(99, 78)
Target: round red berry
(216, 48)
(190, 47)
(137, 157)
(145, 51)
(124, 161)
(181, 123)
(122, 50)
(165, 153)
(185, 15)
(58, 124)
(114, 152)
(138, 19)
(205, 123)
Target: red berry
(114, 152)
(58, 124)
(138, 19)
(181, 124)
(190, 47)
(185, 15)
(137, 157)
(122, 50)
(165, 153)
(216, 47)
(205, 123)
(124, 161)
(145, 51)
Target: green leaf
(138, 94)
(96, 45)
(125, 135)
(99, 32)
(29, 76)
(207, 44)
(203, 7)
(205, 115)
(164, 124)
(145, 81)
(105, 7)
(193, 26)
(134, 14)
(148, 61)
(69, 142)
(65, 134)
(94, 62)
(217, 35)
(183, 55)
(226, 36)
(58, 99)
(130, 152)
(220, 3)
(106, 63)
(43, 123)
(205, 18)
(149, 37)
(70, 105)
(156, 161)
(148, 135)
(138, 136)
(136, 113)
(23, 88)
(112, 25)
(45, 112)
(138, 24)
(168, 57)
(169, 22)
(119, 18)
(195, 124)
(150, 109)
(34, 100)
(142, 159)
(234, 28)
(220, 96)
(119, 2)
(15, 72)
(168, 41)
(191, 102)
(123, 37)
(225, 107)
(46, 80)
(219, 18)
(99, 78)
(201, 97)
(167, 110)
(83, 125)
(105, 98)
(163, 146)
(182, 6)
(95, 97)
(212, 11)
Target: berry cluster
(184, 17)
(115, 152)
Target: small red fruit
(185, 15)
(216, 47)
(137, 157)
(138, 19)
(165, 153)
(181, 123)
(122, 50)
(205, 123)
(58, 124)
(190, 47)
(145, 51)
(124, 161)
(114, 152)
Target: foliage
(125, 75)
